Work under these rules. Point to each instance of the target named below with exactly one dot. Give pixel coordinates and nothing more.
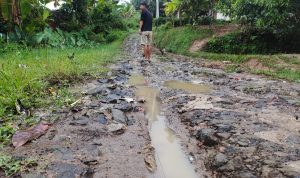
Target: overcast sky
(124, 1)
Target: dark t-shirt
(146, 17)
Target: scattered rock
(119, 116)
(97, 142)
(116, 128)
(105, 80)
(291, 169)
(267, 172)
(149, 158)
(111, 98)
(206, 136)
(123, 106)
(89, 160)
(220, 160)
(66, 170)
(223, 128)
(96, 91)
(102, 119)
(232, 165)
(224, 136)
(293, 139)
(63, 153)
(80, 122)
(131, 121)
(244, 174)
(141, 100)
(129, 100)
(243, 143)
(22, 137)
(191, 157)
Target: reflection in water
(152, 105)
(171, 135)
(189, 87)
(137, 80)
(171, 161)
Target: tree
(25, 14)
(194, 10)
(270, 15)
(10, 11)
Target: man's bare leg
(145, 51)
(149, 51)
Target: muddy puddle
(188, 87)
(170, 159)
(137, 80)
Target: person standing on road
(146, 30)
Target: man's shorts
(146, 38)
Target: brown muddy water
(188, 87)
(170, 159)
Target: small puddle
(171, 160)
(188, 87)
(137, 80)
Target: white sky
(123, 1)
(51, 6)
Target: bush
(254, 42)
(105, 17)
(64, 19)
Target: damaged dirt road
(171, 118)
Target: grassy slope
(179, 40)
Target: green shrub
(254, 42)
(112, 36)
(6, 132)
(105, 17)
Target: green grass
(11, 165)
(179, 40)
(40, 77)
(278, 70)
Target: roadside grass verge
(39, 78)
(279, 66)
(178, 40)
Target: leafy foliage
(11, 165)
(196, 11)
(105, 17)
(270, 15)
(254, 42)
(78, 23)
(5, 133)
(62, 39)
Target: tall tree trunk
(16, 12)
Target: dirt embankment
(217, 31)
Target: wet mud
(171, 161)
(171, 118)
(229, 124)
